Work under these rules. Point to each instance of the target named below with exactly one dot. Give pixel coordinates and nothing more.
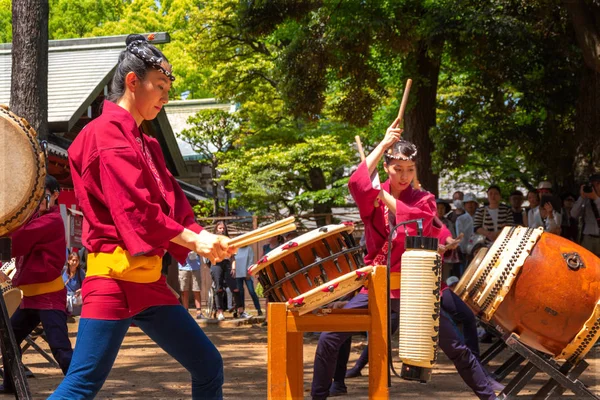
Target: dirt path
(143, 371)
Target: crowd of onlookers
(574, 217)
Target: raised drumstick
(404, 101)
(360, 148)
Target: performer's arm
(392, 135)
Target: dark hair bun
(133, 38)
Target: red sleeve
(142, 225)
(443, 233)
(424, 208)
(362, 191)
(183, 214)
(30, 234)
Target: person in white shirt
(533, 215)
(464, 225)
(244, 259)
(550, 217)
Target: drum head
(297, 243)
(329, 291)
(462, 285)
(22, 172)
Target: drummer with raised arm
(382, 206)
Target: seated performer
(380, 209)
(134, 211)
(39, 248)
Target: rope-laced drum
(22, 171)
(12, 295)
(541, 286)
(313, 269)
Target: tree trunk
(317, 182)
(587, 124)
(29, 83)
(586, 24)
(215, 188)
(227, 198)
(420, 118)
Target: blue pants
(456, 309)
(334, 344)
(460, 312)
(171, 327)
(250, 286)
(24, 321)
(337, 344)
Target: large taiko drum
(313, 269)
(540, 286)
(22, 171)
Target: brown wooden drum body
(551, 300)
(22, 171)
(307, 262)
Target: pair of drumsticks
(361, 152)
(276, 228)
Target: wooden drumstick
(263, 229)
(404, 101)
(246, 239)
(359, 147)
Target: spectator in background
(73, 277)
(550, 216)
(544, 187)
(244, 259)
(471, 204)
(569, 226)
(458, 195)
(223, 276)
(273, 243)
(491, 219)
(587, 206)
(464, 226)
(189, 281)
(519, 214)
(451, 257)
(533, 214)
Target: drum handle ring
(573, 261)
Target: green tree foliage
(5, 21)
(498, 88)
(212, 135)
(287, 162)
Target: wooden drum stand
(285, 340)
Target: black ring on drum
(308, 267)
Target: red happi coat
(40, 249)
(412, 204)
(127, 195)
(129, 201)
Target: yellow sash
(123, 266)
(35, 289)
